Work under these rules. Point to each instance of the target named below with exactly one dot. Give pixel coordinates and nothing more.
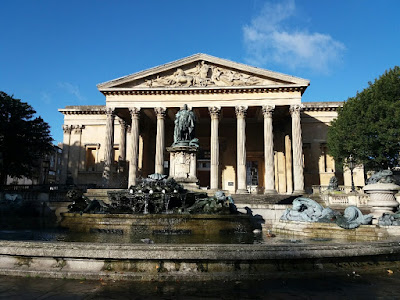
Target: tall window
(91, 154)
(307, 157)
(115, 154)
(327, 164)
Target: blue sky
(53, 53)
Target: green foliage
(368, 125)
(23, 138)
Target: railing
(357, 199)
(338, 200)
(319, 189)
(39, 193)
(44, 187)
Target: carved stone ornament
(214, 111)
(110, 111)
(67, 128)
(241, 111)
(134, 112)
(122, 122)
(295, 109)
(160, 112)
(78, 128)
(204, 75)
(268, 110)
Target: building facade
(255, 133)
(47, 170)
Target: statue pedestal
(183, 160)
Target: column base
(242, 191)
(270, 192)
(298, 192)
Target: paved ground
(380, 285)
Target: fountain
(160, 206)
(157, 205)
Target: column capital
(241, 111)
(78, 128)
(267, 110)
(122, 122)
(295, 109)
(160, 112)
(134, 111)
(67, 128)
(110, 111)
(214, 111)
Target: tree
(23, 138)
(368, 125)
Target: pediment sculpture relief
(204, 75)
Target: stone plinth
(183, 160)
(150, 224)
(382, 198)
(333, 231)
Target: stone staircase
(99, 194)
(258, 199)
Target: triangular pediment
(202, 71)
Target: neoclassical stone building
(255, 133)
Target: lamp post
(351, 167)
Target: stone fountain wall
(190, 262)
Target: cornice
(321, 106)
(83, 110)
(101, 109)
(204, 90)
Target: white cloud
(46, 97)
(72, 89)
(269, 38)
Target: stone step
(263, 199)
(99, 194)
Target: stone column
(78, 153)
(297, 146)
(241, 149)
(160, 140)
(288, 153)
(269, 173)
(65, 154)
(108, 146)
(214, 143)
(133, 162)
(122, 140)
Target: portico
(248, 124)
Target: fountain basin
(331, 230)
(148, 224)
(189, 262)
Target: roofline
(322, 106)
(201, 56)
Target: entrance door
(252, 176)
(203, 172)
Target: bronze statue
(184, 126)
